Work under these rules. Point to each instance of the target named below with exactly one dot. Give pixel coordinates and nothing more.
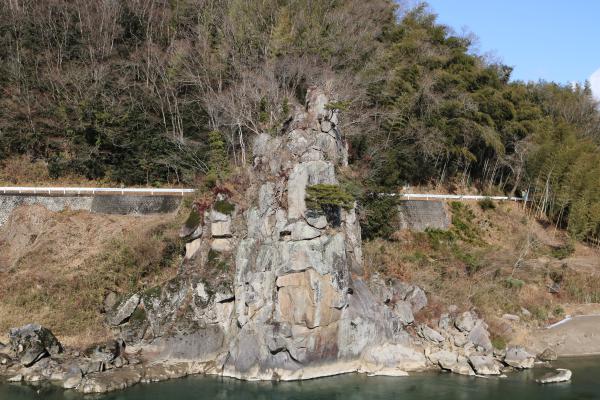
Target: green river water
(438, 386)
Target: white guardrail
(91, 191)
(418, 196)
(180, 192)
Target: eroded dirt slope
(56, 268)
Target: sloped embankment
(519, 272)
(57, 267)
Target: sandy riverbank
(575, 336)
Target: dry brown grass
(57, 267)
(508, 265)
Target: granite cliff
(272, 287)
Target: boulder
(403, 311)
(430, 334)
(462, 366)
(119, 362)
(192, 248)
(451, 361)
(124, 310)
(381, 292)
(459, 339)
(444, 322)
(72, 378)
(191, 231)
(417, 299)
(110, 380)
(107, 352)
(111, 299)
(395, 355)
(220, 229)
(465, 322)
(560, 375)
(32, 342)
(518, 357)
(161, 372)
(216, 216)
(400, 290)
(484, 365)
(480, 337)
(548, 355)
(222, 245)
(444, 358)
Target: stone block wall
(102, 204)
(126, 205)
(419, 215)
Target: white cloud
(595, 82)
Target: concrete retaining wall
(419, 215)
(125, 205)
(104, 204)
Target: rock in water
(560, 375)
(548, 355)
(33, 342)
(446, 359)
(394, 356)
(72, 378)
(484, 365)
(518, 357)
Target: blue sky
(554, 40)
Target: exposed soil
(54, 266)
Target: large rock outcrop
(32, 342)
(275, 290)
(271, 287)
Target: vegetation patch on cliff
(501, 260)
(324, 195)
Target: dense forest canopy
(135, 92)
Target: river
(438, 386)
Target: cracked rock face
(32, 342)
(293, 271)
(275, 290)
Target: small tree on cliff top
(218, 162)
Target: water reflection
(585, 385)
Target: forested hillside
(135, 91)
